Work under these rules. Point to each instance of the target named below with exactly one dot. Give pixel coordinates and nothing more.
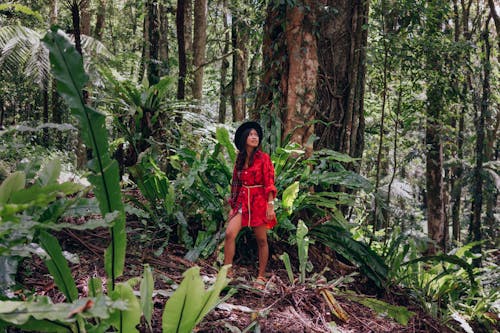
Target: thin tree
(199, 47)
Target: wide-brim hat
(246, 125)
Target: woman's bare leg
(232, 231)
(261, 237)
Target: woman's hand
(270, 211)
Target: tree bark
(290, 60)
(240, 65)
(434, 153)
(145, 56)
(199, 47)
(85, 15)
(224, 66)
(100, 20)
(164, 44)
(475, 233)
(154, 40)
(341, 85)
(300, 87)
(181, 45)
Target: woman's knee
(261, 241)
(231, 234)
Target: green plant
(67, 68)
(191, 302)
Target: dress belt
(249, 187)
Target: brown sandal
(260, 283)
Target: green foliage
(27, 206)
(146, 289)
(398, 313)
(58, 267)
(41, 315)
(67, 68)
(191, 302)
(125, 320)
(13, 7)
(302, 247)
(341, 240)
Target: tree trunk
(81, 151)
(290, 61)
(2, 113)
(240, 39)
(85, 15)
(181, 44)
(188, 38)
(302, 73)
(154, 40)
(199, 47)
(341, 85)
(456, 172)
(475, 233)
(100, 20)
(224, 66)
(75, 14)
(164, 46)
(434, 153)
(145, 56)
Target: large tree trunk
(199, 46)
(154, 40)
(240, 38)
(100, 20)
(342, 69)
(290, 64)
(224, 66)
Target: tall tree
(164, 42)
(199, 47)
(240, 38)
(342, 68)
(475, 232)
(434, 126)
(225, 64)
(290, 62)
(154, 42)
(85, 16)
(181, 46)
(100, 19)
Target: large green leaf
(302, 247)
(191, 302)
(223, 137)
(67, 68)
(147, 286)
(58, 266)
(125, 321)
(11, 185)
(41, 315)
(289, 196)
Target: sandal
(260, 283)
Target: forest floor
(281, 307)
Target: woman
(252, 195)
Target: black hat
(246, 125)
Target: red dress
(250, 190)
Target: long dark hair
(242, 154)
